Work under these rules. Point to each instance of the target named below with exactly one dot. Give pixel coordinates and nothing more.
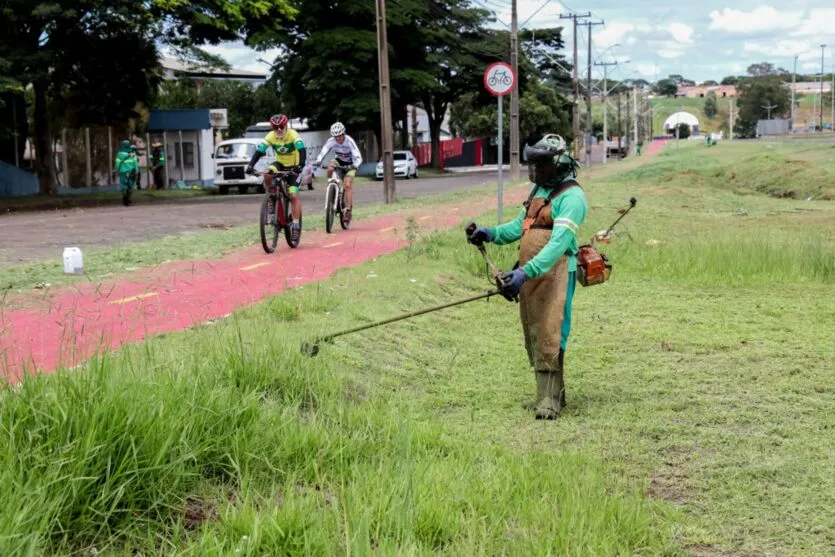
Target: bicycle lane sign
(499, 80)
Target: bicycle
(335, 199)
(276, 210)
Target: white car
(231, 159)
(405, 166)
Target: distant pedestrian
(157, 163)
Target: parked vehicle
(231, 159)
(405, 166)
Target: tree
(666, 87)
(765, 68)
(709, 82)
(730, 80)
(711, 107)
(47, 42)
(329, 61)
(753, 94)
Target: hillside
(664, 107)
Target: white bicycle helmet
(337, 129)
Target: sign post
(499, 80)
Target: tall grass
(225, 440)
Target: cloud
(681, 32)
(737, 68)
(670, 53)
(784, 49)
(761, 19)
(648, 69)
(819, 23)
(614, 33)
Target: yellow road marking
(389, 229)
(255, 266)
(333, 245)
(426, 217)
(134, 298)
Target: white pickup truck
(231, 157)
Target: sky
(702, 40)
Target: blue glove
(482, 234)
(512, 282)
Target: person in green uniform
(127, 168)
(158, 164)
(545, 277)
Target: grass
(699, 381)
(56, 202)
(792, 170)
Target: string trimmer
(312, 348)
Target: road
(31, 237)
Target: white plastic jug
(73, 262)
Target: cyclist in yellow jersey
(290, 154)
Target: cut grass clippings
(699, 421)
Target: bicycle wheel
(288, 230)
(268, 230)
(329, 204)
(342, 208)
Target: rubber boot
(531, 404)
(562, 376)
(549, 406)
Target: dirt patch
(669, 486)
(355, 393)
(197, 512)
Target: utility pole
(575, 111)
(605, 102)
(823, 46)
(635, 114)
(588, 97)
(731, 123)
(620, 125)
(626, 122)
(832, 99)
(385, 105)
(514, 94)
(794, 81)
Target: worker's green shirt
(125, 162)
(568, 210)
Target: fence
(84, 158)
(449, 148)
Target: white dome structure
(681, 117)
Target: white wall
(202, 164)
(207, 163)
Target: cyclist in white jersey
(347, 157)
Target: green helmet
(125, 145)
(549, 162)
